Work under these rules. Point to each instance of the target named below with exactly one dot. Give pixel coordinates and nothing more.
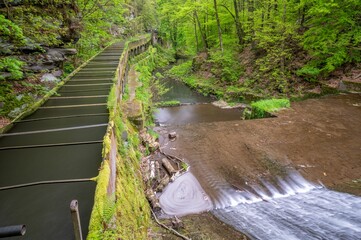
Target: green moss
(127, 215)
(95, 226)
(264, 108)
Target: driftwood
(169, 229)
(168, 166)
(163, 183)
(171, 156)
(152, 199)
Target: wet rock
(172, 135)
(52, 59)
(54, 56)
(39, 68)
(133, 110)
(68, 51)
(58, 73)
(6, 48)
(125, 136)
(31, 47)
(48, 77)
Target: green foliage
(276, 34)
(184, 73)
(225, 66)
(182, 69)
(9, 31)
(68, 68)
(111, 103)
(263, 108)
(13, 66)
(334, 34)
(309, 73)
(14, 103)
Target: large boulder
(53, 58)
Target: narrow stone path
(61, 140)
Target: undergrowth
(264, 108)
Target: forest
(237, 50)
(270, 47)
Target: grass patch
(171, 103)
(264, 108)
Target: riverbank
(198, 74)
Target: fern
(13, 66)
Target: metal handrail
(12, 231)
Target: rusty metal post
(76, 219)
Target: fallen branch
(169, 229)
(168, 166)
(171, 156)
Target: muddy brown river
(244, 167)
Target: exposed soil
(319, 137)
(202, 226)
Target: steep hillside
(42, 41)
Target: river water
(288, 208)
(195, 108)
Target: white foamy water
(292, 209)
(289, 209)
(293, 184)
(184, 196)
(316, 214)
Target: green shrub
(181, 70)
(9, 31)
(309, 73)
(263, 108)
(225, 66)
(13, 66)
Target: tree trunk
(218, 25)
(239, 28)
(204, 40)
(195, 31)
(251, 20)
(283, 60)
